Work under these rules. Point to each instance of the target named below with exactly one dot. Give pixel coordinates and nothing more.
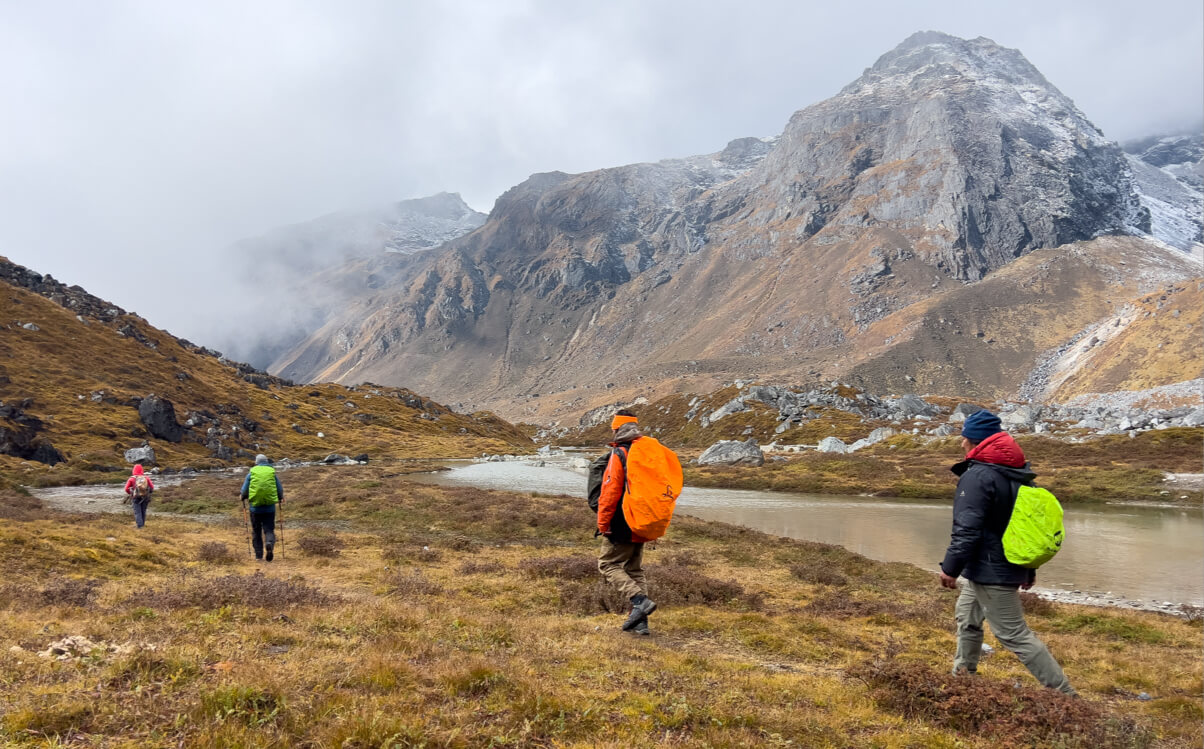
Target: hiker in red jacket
(138, 488)
(982, 506)
(621, 560)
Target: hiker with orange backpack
(138, 489)
(638, 493)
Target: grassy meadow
(405, 615)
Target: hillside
(825, 252)
(75, 370)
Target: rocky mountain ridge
(281, 279)
(814, 254)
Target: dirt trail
(108, 498)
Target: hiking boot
(641, 628)
(269, 552)
(639, 612)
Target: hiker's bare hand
(1026, 586)
(948, 582)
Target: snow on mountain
(1169, 174)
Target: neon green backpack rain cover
(1034, 533)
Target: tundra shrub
(214, 552)
(70, 592)
(245, 590)
(320, 544)
(1006, 716)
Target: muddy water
(1135, 552)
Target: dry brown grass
(507, 637)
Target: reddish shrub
(246, 590)
(1011, 717)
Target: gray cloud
(138, 138)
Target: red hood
(999, 449)
(138, 470)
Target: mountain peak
(933, 57)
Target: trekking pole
(280, 524)
(246, 521)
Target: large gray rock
(962, 411)
(158, 415)
(1020, 418)
(832, 445)
(144, 455)
(1194, 419)
(874, 438)
(881, 433)
(732, 452)
(912, 405)
(735, 405)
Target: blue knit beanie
(980, 425)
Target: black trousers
(263, 528)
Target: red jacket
(611, 521)
(129, 483)
(999, 449)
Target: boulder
(735, 405)
(144, 455)
(911, 405)
(336, 459)
(962, 411)
(1022, 417)
(882, 433)
(1194, 419)
(158, 415)
(24, 440)
(832, 445)
(361, 458)
(219, 451)
(731, 453)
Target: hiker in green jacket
(262, 487)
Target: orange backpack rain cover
(654, 483)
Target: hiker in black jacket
(986, 492)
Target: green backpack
(1035, 532)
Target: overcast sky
(138, 137)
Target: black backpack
(593, 483)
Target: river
(1142, 554)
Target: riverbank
(446, 616)
(1115, 468)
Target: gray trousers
(1000, 606)
(622, 566)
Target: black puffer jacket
(982, 507)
